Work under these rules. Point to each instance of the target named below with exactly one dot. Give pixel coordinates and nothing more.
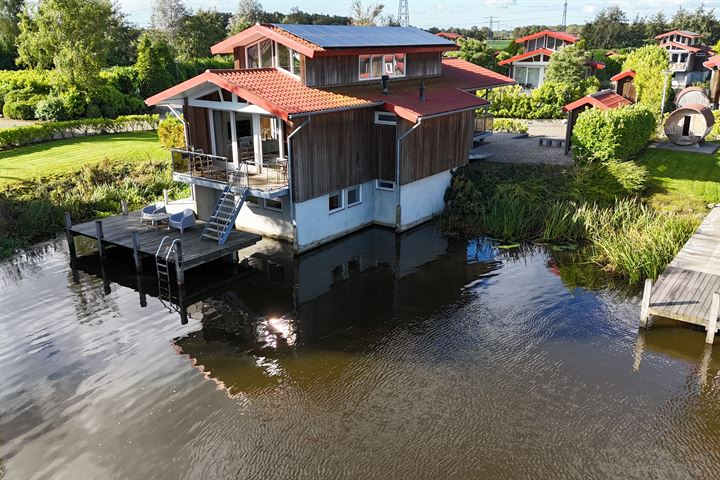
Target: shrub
(171, 133)
(616, 134)
(51, 107)
(649, 63)
(545, 102)
(509, 125)
(124, 79)
(19, 109)
(93, 111)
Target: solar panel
(346, 36)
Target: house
(452, 36)
(321, 130)
(713, 64)
(686, 55)
(625, 84)
(602, 100)
(528, 68)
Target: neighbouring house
(625, 84)
(528, 68)
(452, 36)
(686, 56)
(321, 130)
(713, 64)
(602, 100)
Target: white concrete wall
(316, 225)
(384, 208)
(270, 223)
(422, 199)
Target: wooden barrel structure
(689, 125)
(692, 95)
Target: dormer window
(375, 66)
(260, 55)
(287, 59)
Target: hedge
(616, 134)
(510, 125)
(545, 102)
(44, 132)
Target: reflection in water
(377, 356)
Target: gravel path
(504, 148)
(9, 123)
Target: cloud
(499, 3)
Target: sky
(460, 13)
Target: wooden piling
(712, 321)
(136, 251)
(124, 206)
(70, 236)
(179, 272)
(99, 234)
(645, 320)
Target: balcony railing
(678, 66)
(198, 164)
(484, 123)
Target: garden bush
(171, 133)
(545, 102)
(51, 108)
(43, 132)
(510, 125)
(616, 134)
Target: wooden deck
(686, 289)
(119, 230)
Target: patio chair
(154, 209)
(182, 220)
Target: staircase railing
(222, 221)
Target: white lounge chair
(182, 220)
(150, 213)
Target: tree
(9, 29)
(365, 16)
(167, 17)
(69, 35)
(121, 39)
(249, 13)
(701, 20)
(607, 30)
(154, 64)
(475, 51)
(649, 64)
(568, 65)
(655, 25)
(200, 31)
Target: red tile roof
(285, 96)
(525, 55)
(602, 100)
(681, 46)
(679, 32)
(595, 64)
(550, 33)
(713, 62)
(623, 74)
(450, 35)
(268, 88)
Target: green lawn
(64, 156)
(498, 44)
(682, 182)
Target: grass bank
(27, 164)
(635, 215)
(86, 176)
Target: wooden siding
(334, 151)
(239, 57)
(439, 144)
(345, 69)
(198, 128)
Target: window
(528, 77)
(253, 57)
(382, 118)
(287, 59)
(352, 195)
(385, 185)
(252, 201)
(266, 53)
(335, 202)
(260, 54)
(375, 66)
(273, 204)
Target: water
(424, 357)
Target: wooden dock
(128, 231)
(688, 289)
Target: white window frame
(341, 196)
(257, 44)
(253, 203)
(383, 187)
(292, 53)
(370, 77)
(379, 114)
(359, 196)
(274, 209)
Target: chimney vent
(385, 79)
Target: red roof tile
(603, 100)
(595, 64)
(450, 35)
(268, 88)
(679, 32)
(522, 56)
(713, 62)
(623, 74)
(681, 46)
(468, 76)
(550, 33)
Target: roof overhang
(256, 33)
(558, 35)
(678, 32)
(623, 74)
(523, 56)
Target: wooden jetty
(689, 289)
(128, 231)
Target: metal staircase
(227, 209)
(163, 255)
